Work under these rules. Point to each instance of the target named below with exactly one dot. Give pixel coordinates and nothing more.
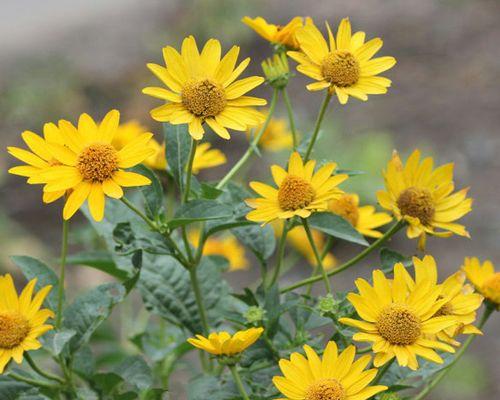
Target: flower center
(204, 98)
(13, 329)
(399, 325)
(295, 193)
(347, 208)
(98, 162)
(416, 202)
(491, 288)
(325, 389)
(340, 68)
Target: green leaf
(259, 239)
(33, 268)
(209, 387)
(390, 257)
(89, 310)
(178, 145)
(10, 389)
(336, 226)
(199, 210)
(153, 194)
(60, 340)
(134, 371)
(100, 260)
(209, 192)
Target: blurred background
(60, 58)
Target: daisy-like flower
(484, 278)
(400, 319)
(364, 218)
(423, 197)
(91, 167)
(276, 137)
(300, 191)
(344, 66)
(39, 158)
(225, 344)
(277, 34)
(22, 321)
(202, 88)
(334, 376)
(226, 246)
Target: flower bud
(276, 70)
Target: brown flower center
(347, 208)
(203, 98)
(295, 193)
(325, 389)
(340, 68)
(417, 202)
(491, 288)
(399, 325)
(98, 162)
(13, 329)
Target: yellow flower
(21, 320)
(364, 218)
(223, 344)
(334, 376)
(227, 247)
(300, 191)
(423, 197)
(277, 34)
(484, 278)
(398, 317)
(39, 158)
(346, 67)
(276, 137)
(91, 167)
(203, 88)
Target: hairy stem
(319, 259)
(281, 253)
(35, 368)
(238, 382)
(319, 119)
(62, 273)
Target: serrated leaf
(153, 194)
(134, 371)
(177, 148)
(199, 210)
(10, 389)
(259, 239)
(336, 226)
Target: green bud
(276, 70)
(327, 305)
(255, 314)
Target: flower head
(91, 166)
(277, 34)
(225, 344)
(364, 218)
(484, 278)
(422, 196)
(344, 66)
(22, 321)
(334, 376)
(276, 70)
(400, 317)
(276, 136)
(202, 88)
(300, 191)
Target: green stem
(199, 299)
(238, 382)
(375, 245)
(441, 374)
(129, 204)
(253, 144)
(291, 118)
(192, 153)
(62, 273)
(319, 259)
(319, 119)
(32, 382)
(382, 371)
(281, 252)
(35, 368)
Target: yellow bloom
(227, 247)
(399, 318)
(21, 320)
(423, 197)
(484, 278)
(203, 88)
(276, 137)
(277, 34)
(91, 166)
(346, 66)
(300, 191)
(334, 376)
(223, 344)
(39, 158)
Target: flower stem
(319, 259)
(281, 253)
(375, 245)
(62, 273)
(238, 382)
(382, 371)
(32, 382)
(319, 119)
(291, 118)
(441, 374)
(35, 368)
(129, 204)
(189, 171)
(199, 299)
(252, 146)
